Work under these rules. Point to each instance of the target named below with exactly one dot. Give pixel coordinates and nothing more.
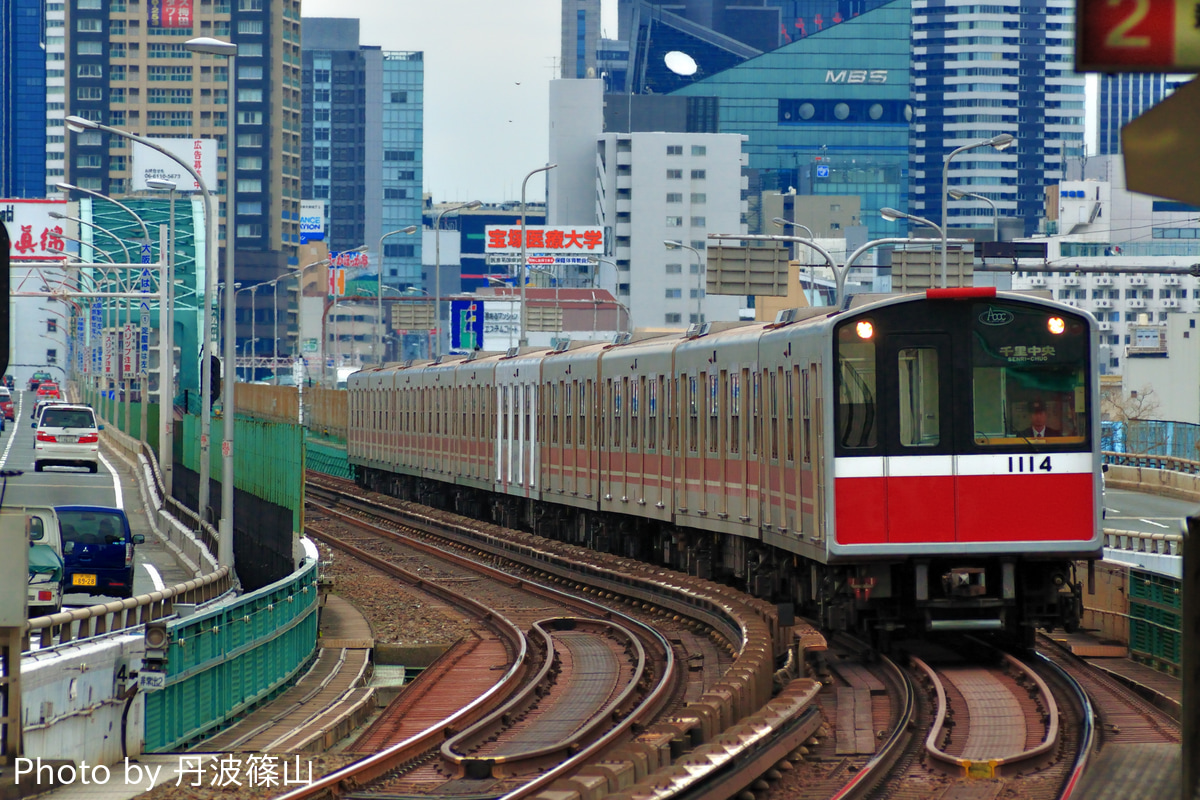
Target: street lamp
(523, 339)
(106, 231)
(437, 269)
(780, 222)
(999, 142)
(247, 348)
(958, 194)
(78, 124)
(216, 47)
(673, 245)
(253, 308)
(166, 365)
(411, 229)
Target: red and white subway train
(908, 463)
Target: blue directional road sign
(822, 170)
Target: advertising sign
(169, 14)
(337, 281)
(1137, 36)
(33, 235)
(128, 351)
(97, 326)
(201, 154)
(541, 239)
(144, 341)
(312, 221)
(501, 324)
(110, 354)
(349, 259)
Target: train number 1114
(1029, 464)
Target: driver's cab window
(36, 527)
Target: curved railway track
(537, 697)
(645, 719)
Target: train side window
(618, 416)
(857, 411)
(920, 418)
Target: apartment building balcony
(1102, 304)
(1104, 280)
(1135, 304)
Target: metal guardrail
(1166, 463)
(1164, 544)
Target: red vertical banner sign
(1137, 35)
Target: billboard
(201, 154)
(572, 240)
(312, 221)
(169, 14)
(33, 235)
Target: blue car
(97, 550)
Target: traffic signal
(157, 640)
(214, 368)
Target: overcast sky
(488, 65)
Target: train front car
(967, 474)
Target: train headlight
(865, 329)
(1056, 325)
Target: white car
(67, 435)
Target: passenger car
(98, 549)
(67, 435)
(35, 380)
(45, 561)
(6, 403)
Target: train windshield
(1029, 368)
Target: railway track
(595, 683)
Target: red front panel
(861, 510)
(920, 508)
(1006, 508)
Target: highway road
(1134, 511)
(58, 486)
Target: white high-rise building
(56, 96)
(654, 187)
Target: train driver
(1038, 429)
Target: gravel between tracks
(396, 614)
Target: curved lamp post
(674, 245)
(105, 231)
(999, 142)
(229, 50)
(523, 339)
(78, 124)
(958, 194)
(411, 229)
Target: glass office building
(827, 114)
(22, 100)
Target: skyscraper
(22, 100)
(127, 67)
(580, 38)
(363, 143)
(979, 71)
(1125, 97)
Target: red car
(49, 390)
(6, 404)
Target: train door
(917, 424)
(635, 477)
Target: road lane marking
(154, 577)
(13, 437)
(1152, 522)
(116, 480)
